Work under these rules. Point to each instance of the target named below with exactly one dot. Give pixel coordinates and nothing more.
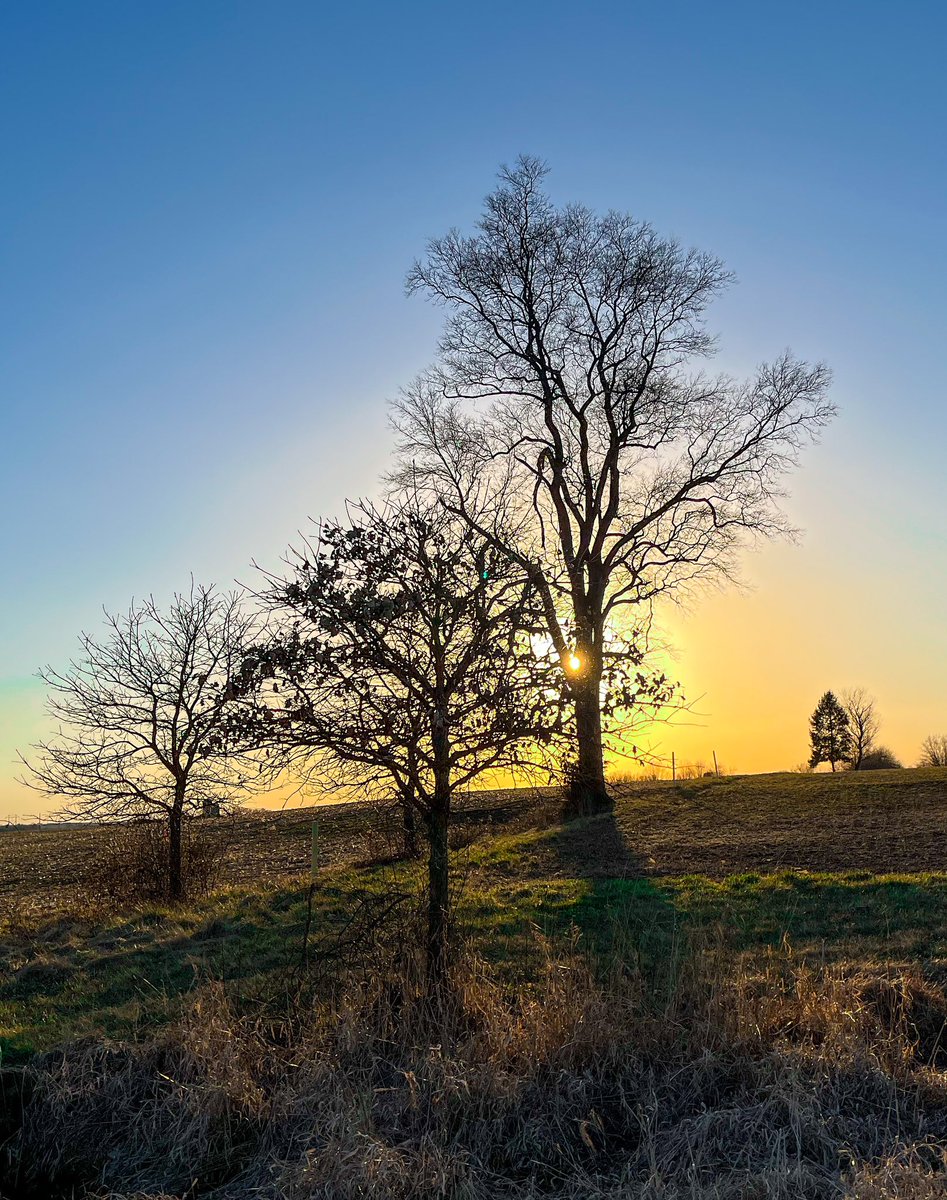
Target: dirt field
(877, 821)
(885, 821)
(48, 867)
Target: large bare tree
(139, 714)
(566, 401)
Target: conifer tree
(829, 733)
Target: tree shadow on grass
(625, 914)
(624, 917)
(596, 848)
(134, 975)
(845, 916)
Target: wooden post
(673, 766)
(313, 868)
(716, 768)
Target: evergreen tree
(830, 733)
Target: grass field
(765, 938)
(846, 867)
(878, 821)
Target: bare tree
(139, 714)
(934, 751)
(564, 401)
(405, 651)
(863, 723)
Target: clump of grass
(728, 1080)
(130, 864)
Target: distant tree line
(844, 733)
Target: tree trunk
(587, 791)
(438, 914)
(175, 855)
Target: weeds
(772, 1081)
(609, 1034)
(130, 866)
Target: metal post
(716, 768)
(673, 766)
(314, 865)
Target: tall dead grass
(773, 1081)
(130, 863)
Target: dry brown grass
(130, 866)
(772, 1081)
(713, 1078)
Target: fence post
(314, 864)
(673, 766)
(716, 768)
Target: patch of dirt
(885, 821)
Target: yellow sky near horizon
(753, 662)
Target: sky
(206, 215)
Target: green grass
(708, 856)
(838, 914)
(684, 900)
(120, 977)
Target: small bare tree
(565, 401)
(934, 751)
(139, 713)
(404, 651)
(863, 724)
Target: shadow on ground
(620, 913)
(129, 976)
(623, 910)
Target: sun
(573, 662)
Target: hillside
(647, 995)
(849, 865)
(877, 821)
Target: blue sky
(208, 210)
